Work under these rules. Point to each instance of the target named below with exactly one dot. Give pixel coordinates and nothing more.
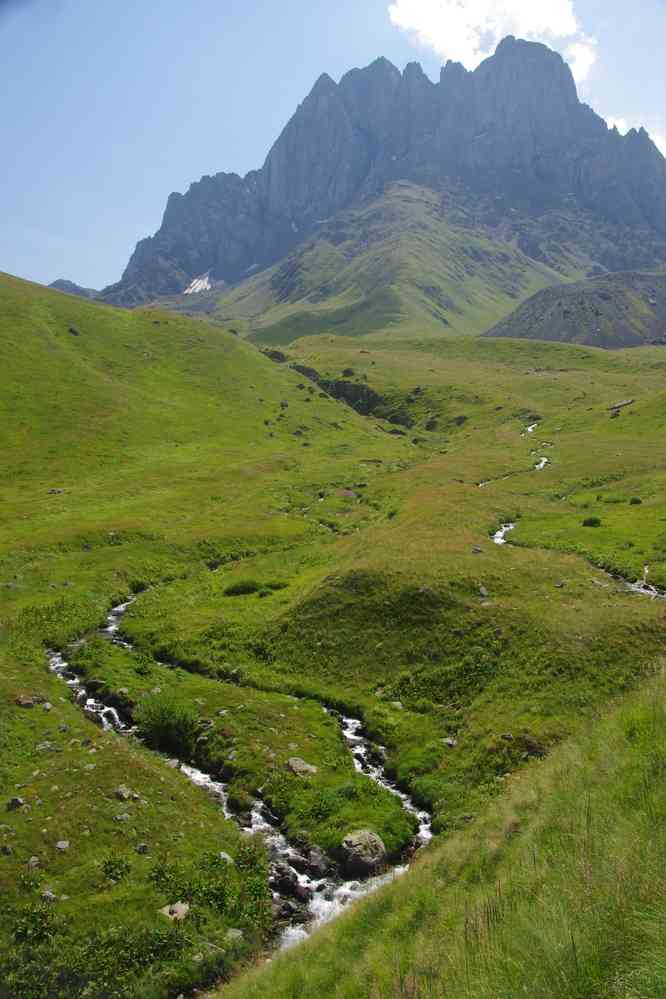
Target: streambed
(307, 891)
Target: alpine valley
(333, 568)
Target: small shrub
(168, 724)
(242, 588)
(635, 501)
(239, 799)
(116, 867)
(592, 522)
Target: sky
(107, 106)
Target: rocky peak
(513, 127)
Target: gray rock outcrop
(513, 128)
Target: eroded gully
(307, 891)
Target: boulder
(363, 852)
(284, 880)
(300, 767)
(177, 912)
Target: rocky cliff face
(513, 127)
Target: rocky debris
(123, 793)
(62, 845)
(226, 858)
(450, 742)
(483, 591)
(177, 912)
(363, 853)
(314, 862)
(123, 817)
(300, 767)
(141, 849)
(29, 700)
(285, 882)
(47, 707)
(14, 804)
(34, 864)
(48, 896)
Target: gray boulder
(300, 767)
(363, 853)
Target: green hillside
(287, 553)
(411, 259)
(616, 310)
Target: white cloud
(468, 31)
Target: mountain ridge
(512, 128)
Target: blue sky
(108, 106)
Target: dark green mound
(616, 310)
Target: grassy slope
(403, 260)
(558, 891)
(152, 429)
(616, 310)
(374, 537)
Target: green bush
(168, 724)
(116, 867)
(592, 522)
(242, 588)
(635, 501)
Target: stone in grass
(123, 793)
(142, 848)
(177, 912)
(300, 767)
(483, 591)
(233, 936)
(225, 857)
(34, 864)
(14, 804)
(123, 817)
(29, 700)
(49, 896)
(62, 845)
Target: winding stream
(305, 893)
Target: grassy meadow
(281, 546)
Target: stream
(640, 586)
(306, 893)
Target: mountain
(408, 258)
(512, 137)
(615, 310)
(69, 288)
